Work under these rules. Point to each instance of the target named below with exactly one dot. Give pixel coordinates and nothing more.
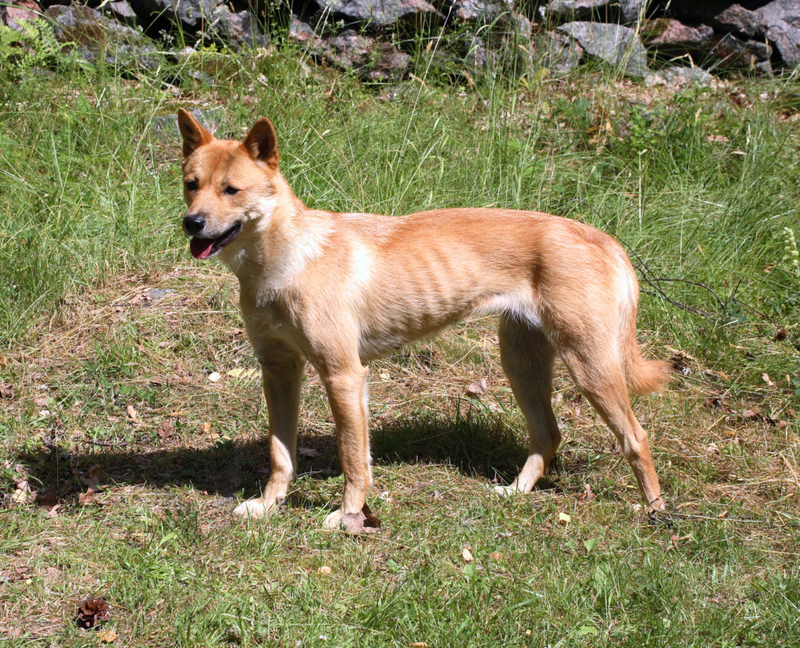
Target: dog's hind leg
(282, 376)
(527, 357)
(601, 379)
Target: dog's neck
(278, 250)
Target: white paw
(253, 509)
(334, 520)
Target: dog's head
(228, 186)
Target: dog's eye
(191, 185)
(231, 191)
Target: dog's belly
(388, 327)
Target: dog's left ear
(262, 143)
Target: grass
(110, 335)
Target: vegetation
(131, 419)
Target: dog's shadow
(475, 444)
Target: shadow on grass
(476, 444)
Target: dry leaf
(165, 430)
(22, 494)
(765, 378)
(131, 412)
(215, 376)
(563, 517)
(6, 390)
(365, 521)
(3, 362)
(496, 555)
(478, 389)
(720, 139)
(418, 644)
(467, 555)
(781, 334)
(108, 636)
(324, 570)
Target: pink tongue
(200, 247)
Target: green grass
(109, 332)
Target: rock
(122, 11)
(631, 9)
(238, 29)
(11, 15)
(614, 44)
(191, 15)
(379, 13)
(476, 55)
(729, 50)
(561, 10)
(675, 76)
(738, 19)
(673, 38)
(371, 59)
(480, 11)
(779, 21)
(99, 37)
(556, 52)
(303, 34)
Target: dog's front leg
(347, 392)
(282, 377)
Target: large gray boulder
(480, 11)
(673, 38)
(779, 21)
(560, 10)
(236, 29)
(99, 37)
(614, 44)
(190, 15)
(371, 59)
(379, 13)
(556, 52)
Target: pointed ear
(262, 143)
(194, 135)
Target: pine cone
(94, 611)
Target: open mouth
(202, 248)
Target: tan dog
(339, 290)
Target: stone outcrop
(471, 36)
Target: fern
(32, 45)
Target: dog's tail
(644, 376)
(641, 375)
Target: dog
(339, 290)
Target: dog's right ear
(262, 143)
(194, 135)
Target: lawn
(132, 423)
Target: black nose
(193, 224)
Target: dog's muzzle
(201, 247)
